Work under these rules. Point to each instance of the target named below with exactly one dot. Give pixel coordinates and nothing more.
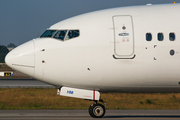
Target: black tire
(97, 110)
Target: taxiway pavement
(83, 115)
(23, 83)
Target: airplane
(127, 49)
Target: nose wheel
(97, 110)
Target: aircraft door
(123, 37)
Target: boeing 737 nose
(22, 58)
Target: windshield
(48, 33)
(60, 34)
(72, 34)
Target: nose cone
(22, 58)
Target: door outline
(115, 55)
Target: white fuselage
(107, 57)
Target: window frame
(57, 32)
(174, 36)
(73, 37)
(148, 33)
(161, 36)
(48, 30)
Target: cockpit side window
(48, 33)
(60, 34)
(72, 34)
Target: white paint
(87, 62)
(80, 93)
(1, 73)
(124, 36)
(22, 58)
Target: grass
(148, 101)
(39, 98)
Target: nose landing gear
(97, 110)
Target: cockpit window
(72, 34)
(48, 33)
(60, 34)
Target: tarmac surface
(22, 83)
(84, 115)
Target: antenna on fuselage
(149, 4)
